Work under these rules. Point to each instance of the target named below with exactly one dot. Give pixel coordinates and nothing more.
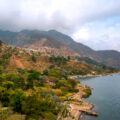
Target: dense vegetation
(37, 90)
(34, 94)
(88, 92)
(99, 66)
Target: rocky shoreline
(89, 106)
(91, 75)
(77, 105)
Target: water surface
(105, 96)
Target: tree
(68, 58)
(45, 72)
(31, 108)
(18, 80)
(5, 96)
(8, 84)
(34, 58)
(33, 76)
(73, 83)
(1, 42)
(17, 99)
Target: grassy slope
(43, 88)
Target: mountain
(36, 86)
(38, 41)
(54, 42)
(110, 57)
(13, 58)
(107, 57)
(83, 50)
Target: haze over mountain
(57, 43)
(95, 23)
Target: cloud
(103, 38)
(82, 33)
(66, 15)
(84, 20)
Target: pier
(89, 112)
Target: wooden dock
(89, 112)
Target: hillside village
(35, 85)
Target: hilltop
(37, 41)
(56, 43)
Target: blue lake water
(105, 96)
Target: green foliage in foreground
(29, 93)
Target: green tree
(34, 58)
(32, 108)
(33, 76)
(1, 42)
(8, 84)
(45, 72)
(17, 99)
(68, 58)
(5, 96)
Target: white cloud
(99, 39)
(82, 33)
(87, 20)
(41, 14)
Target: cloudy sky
(95, 23)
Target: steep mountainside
(107, 57)
(35, 86)
(37, 41)
(54, 42)
(69, 42)
(13, 58)
(110, 57)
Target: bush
(21, 71)
(16, 79)
(58, 73)
(5, 96)
(34, 58)
(1, 42)
(7, 56)
(45, 72)
(33, 76)
(88, 92)
(49, 116)
(31, 108)
(17, 100)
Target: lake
(105, 96)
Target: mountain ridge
(58, 43)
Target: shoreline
(79, 106)
(85, 76)
(92, 75)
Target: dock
(88, 112)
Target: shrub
(49, 116)
(21, 71)
(1, 42)
(17, 99)
(34, 58)
(88, 92)
(7, 56)
(45, 72)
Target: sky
(95, 23)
